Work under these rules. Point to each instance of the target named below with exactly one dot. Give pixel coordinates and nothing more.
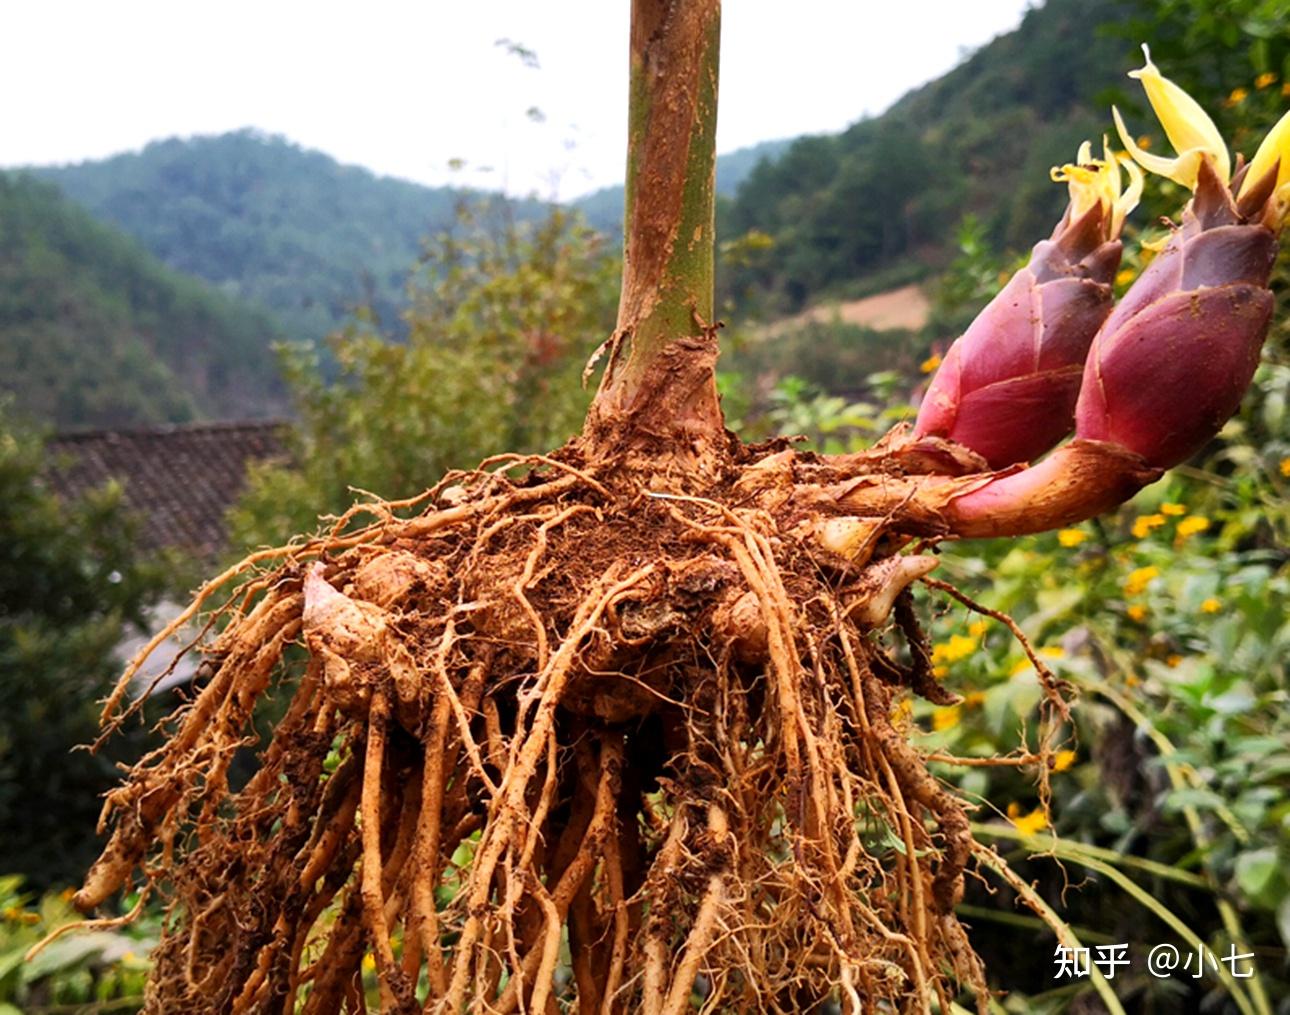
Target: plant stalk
(660, 378)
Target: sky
(428, 91)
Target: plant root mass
(580, 735)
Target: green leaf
(1256, 872)
(1283, 920)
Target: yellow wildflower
(958, 647)
(1071, 537)
(1263, 80)
(1237, 96)
(1188, 127)
(1210, 605)
(1143, 525)
(1063, 760)
(369, 962)
(1027, 824)
(1191, 525)
(1137, 612)
(1139, 579)
(973, 699)
(1173, 660)
(1124, 276)
(128, 957)
(1019, 667)
(931, 363)
(946, 718)
(1285, 467)
(1053, 652)
(978, 628)
(940, 671)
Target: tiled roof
(180, 479)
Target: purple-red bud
(1008, 386)
(1173, 361)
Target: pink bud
(1174, 360)
(1008, 386)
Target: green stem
(671, 161)
(660, 376)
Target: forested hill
(96, 331)
(893, 189)
(269, 222)
(293, 230)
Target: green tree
(70, 582)
(502, 317)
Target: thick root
(555, 743)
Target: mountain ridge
(98, 332)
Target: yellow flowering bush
(1139, 578)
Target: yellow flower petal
(1186, 124)
(1095, 182)
(1211, 605)
(1063, 760)
(1029, 824)
(1071, 537)
(946, 718)
(1139, 579)
(1173, 509)
(1182, 169)
(1132, 193)
(1275, 146)
(1143, 525)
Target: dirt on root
(552, 741)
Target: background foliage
(71, 581)
(502, 316)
